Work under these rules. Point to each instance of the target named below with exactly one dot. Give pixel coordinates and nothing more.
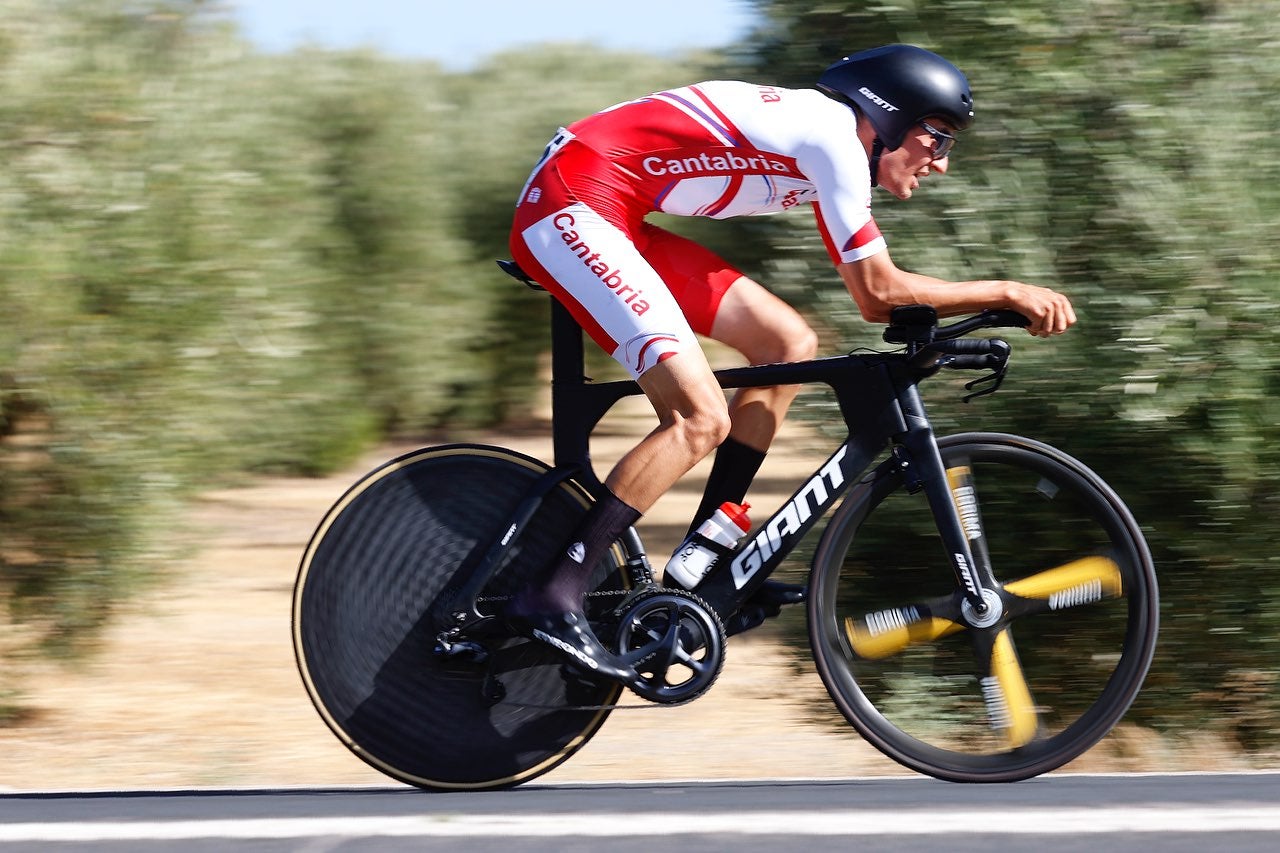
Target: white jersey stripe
(702, 117)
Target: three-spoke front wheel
(1024, 687)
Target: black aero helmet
(898, 86)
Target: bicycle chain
(599, 593)
(647, 706)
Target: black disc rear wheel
(373, 594)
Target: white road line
(1072, 821)
(676, 782)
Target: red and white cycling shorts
(639, 291)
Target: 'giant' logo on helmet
(878, 101)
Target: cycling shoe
(570, 635)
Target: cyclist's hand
(1050, 312)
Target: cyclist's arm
(877, 285)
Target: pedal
(776, 593)
(462, 651)
(749, 616)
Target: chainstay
(647, 706)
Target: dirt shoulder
(196, 685)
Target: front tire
(900, 653)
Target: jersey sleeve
(863, 243)
(837, 166)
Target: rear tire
(1078, 631)
(374, 591)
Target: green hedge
(214, 261)
(1126, 154)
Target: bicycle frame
(880, 403)
(406, 555)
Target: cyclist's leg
(766, 330)
(588, 260)
(692, 420)
(723, 304)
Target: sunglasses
(943, 142)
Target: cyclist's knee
(702, 425)
(704, 431)
(801, 344)
(715, 426)
(689, 402)
(791, 339)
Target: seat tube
(567, 365)
(926, 466)
(577, 404)
(568, 373)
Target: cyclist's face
(901, 170)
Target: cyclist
(885, 117)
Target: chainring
(676, 643)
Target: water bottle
(695, 556)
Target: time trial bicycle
(982, 607)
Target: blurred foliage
(1125, 154)
(216, 261)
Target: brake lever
(995, 379)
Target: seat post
(567, 366)
(571, 423)
(577, 404)
(572, 418)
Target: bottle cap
(737, 513)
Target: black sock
(565, 581)
(734, 468)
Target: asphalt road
(1221, 812)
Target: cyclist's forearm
(878, 286)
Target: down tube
(739, 575)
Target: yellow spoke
(1008, 698)
(887, 632)
(1080, 582)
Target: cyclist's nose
(941, 166)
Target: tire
(374, 590)
(1029, 693)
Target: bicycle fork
(953, 501)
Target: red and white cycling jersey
(717, 149)
(722, 149)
